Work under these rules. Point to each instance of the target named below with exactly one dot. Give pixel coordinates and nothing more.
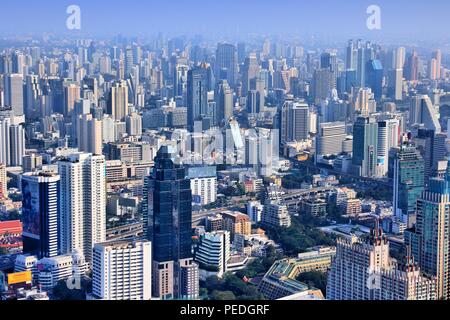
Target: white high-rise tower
(83, 202)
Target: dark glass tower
(167, 213)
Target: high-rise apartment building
(90, 134)
(82, 221)
(122, 270)
(118, 100)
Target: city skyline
(238, 151)
(399, 19)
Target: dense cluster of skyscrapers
(93, 132)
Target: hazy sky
(331, 18)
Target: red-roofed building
(11, 235)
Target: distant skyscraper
(388, 137)
(395, 84)
(249, 71)
(122, 270)
(82, 221)
(167, 221)
(40, 210)
(374, 78)
(32, 95)
(17, 149)
(71, 95)
(90, 135)
(322, 84)
(118, 100)
(328, 60)
(437, 55)
(129, 61)
(197, 95)
(295, 124)
(412, 67)
(365, 146)
(351, 62)
(432, 69)
(134, 124)
(13, 86)
(5, 140)
(422, 111)
(224, 102)
(226, 63)
(400, 58)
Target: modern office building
(224, 102)
(331, 137)
(408, 179)
(213, 252)
(395, 84)
(432, 147)
(295, 122)
(197, 95)
(70, 268)
(40, 210)
(167, 218)
(13, 92)
(226, 63)
(122, 270)
(365, 146)
(374, 78)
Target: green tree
(314, 279)
(222, 295)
